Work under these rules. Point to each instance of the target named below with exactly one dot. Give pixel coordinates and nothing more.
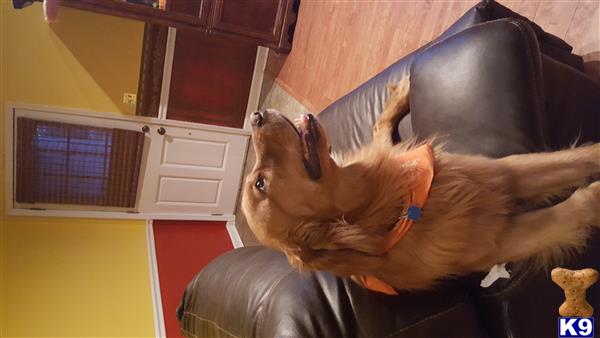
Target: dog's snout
(257, 118)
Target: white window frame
(83, 121)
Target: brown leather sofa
(494, 84)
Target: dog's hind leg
(536, 176)
(548, 232)
(396, 107)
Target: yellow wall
(71, 277)
(76, 278)
(85, 60)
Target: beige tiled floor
(273, 97)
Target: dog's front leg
(396, 107)
(550, 231)
(536, 176)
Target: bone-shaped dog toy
(575, 283)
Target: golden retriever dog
(338, 217)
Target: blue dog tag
(414, 213)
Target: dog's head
(297, 199)
(293, 179)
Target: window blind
(62, 163)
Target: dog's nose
(257, 118)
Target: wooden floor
(340, 44)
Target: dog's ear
(334, 245)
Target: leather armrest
(254, 292)
(481, 90)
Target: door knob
(161, 131)
(145, 129)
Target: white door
(192, 171)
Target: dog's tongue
(310, 138)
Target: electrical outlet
(129, 98)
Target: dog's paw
(586, 203)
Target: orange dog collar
(422, 159)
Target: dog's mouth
(309, 134)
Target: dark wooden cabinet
(262, 20)
(210, 79)
(268, 23)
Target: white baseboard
(159, 319)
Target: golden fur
(476, 214)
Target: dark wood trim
(151, 69)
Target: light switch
(129, 98)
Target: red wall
(182, 249)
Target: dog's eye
(260, 183)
